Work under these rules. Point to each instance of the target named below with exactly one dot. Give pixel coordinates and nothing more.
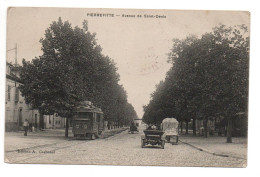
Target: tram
(87, 121)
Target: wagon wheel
(177, 139)
(162, 145)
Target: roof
(85, 107)
(13, 77)
(170, 119)
(88, 109)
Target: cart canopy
(170, 126)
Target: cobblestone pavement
(121, 149)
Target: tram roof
(88, 109)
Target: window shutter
(16, 94)
(9, 93)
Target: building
(16, 110)
(54, 121)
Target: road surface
(121, 149)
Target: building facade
(16, 110)
(54, 121)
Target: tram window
(87, 115)
(98, 117)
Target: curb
(213, 153)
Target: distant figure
(33, 128)
(149, 127)
(201, 131)
(30, 127)
(158, 126)
(26, 127)
(153, 127)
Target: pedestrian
(25, 126)
(33, 128)
(30, 127)
(149, 127)
(158, 126)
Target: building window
(9, 93)
(16, 95)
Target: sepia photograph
(127, 87)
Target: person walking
(26, 126)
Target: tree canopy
(208, 78)
(71, 69)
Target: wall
(16, 110)
(53, 121)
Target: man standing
(26, 126)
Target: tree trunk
(187, 126)
(67, 128)
(108, 125)
(181, 126)
(41, 121)
(205, 122)
(194, 126)
(229, 130)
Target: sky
(138, 45)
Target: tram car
(88, 121)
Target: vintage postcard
(127, 87)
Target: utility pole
(15, 54)
(15, 65)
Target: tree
(219, 78)
(209, 77)
(71, 69)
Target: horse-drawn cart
(152, 137)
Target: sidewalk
(217, 145)
(16, 140)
